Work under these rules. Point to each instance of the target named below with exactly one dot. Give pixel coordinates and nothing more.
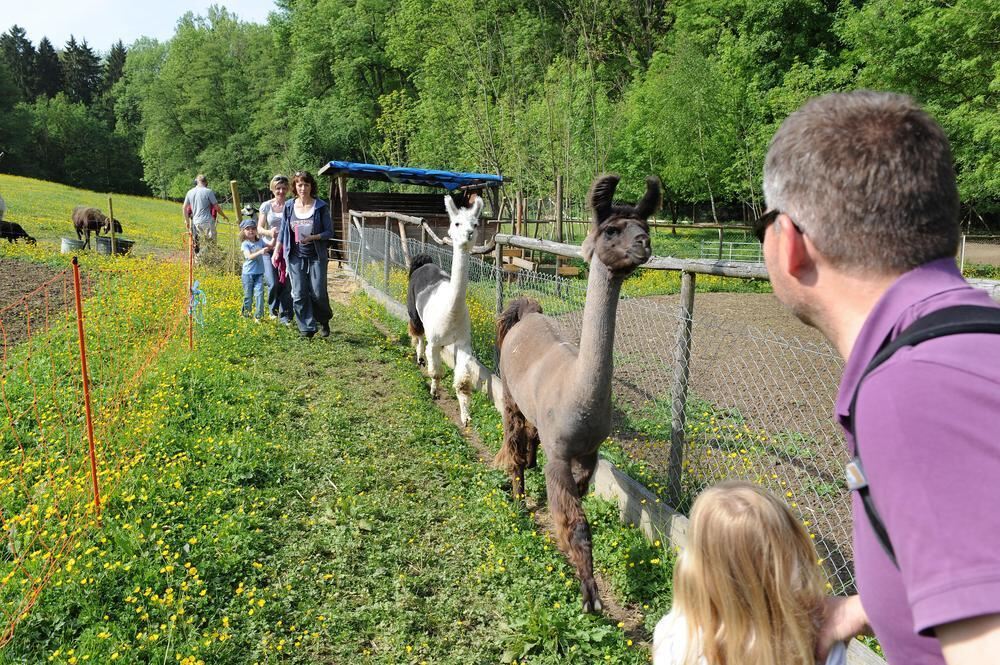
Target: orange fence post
(86, 386)
(191, 290)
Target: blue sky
(103, 22)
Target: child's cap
(248, 209)
(248, 224)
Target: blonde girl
(748, 589)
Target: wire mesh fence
(747, 252)
(979, 250)
(756, 405)
(73, 352)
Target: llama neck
(459, 276)
(593, 369)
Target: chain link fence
(698, 397)
(979, 250)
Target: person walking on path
(252, 276)
(859, 239)
(200, 208)
(306, 229)
(279, 293)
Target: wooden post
(518, 213)
(682, 360)
(86, 387)
(345, 207)
(385, 257)
(720, 243)
(236, 213)
(111, 215)
(498, 267)
(403, 243)
(559, 217)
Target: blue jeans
(309, 298)
(253, 292)
(279, 296)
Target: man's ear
(795, 252)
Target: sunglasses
(301, 174)
(759, 225)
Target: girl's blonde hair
(748, 583)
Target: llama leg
(511, 457)
(464, 382)
(421, 351)
(583, 472)
(418, 341)
(434, 367)
(572, 529)
(532, 446)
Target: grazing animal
(87, 219)
(437, 309)
(12, 231)
(559, 395)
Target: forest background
(690, 90)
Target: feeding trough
(71, 245)
(122, 246)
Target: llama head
(464, 222)
(619, 235)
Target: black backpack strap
(956, 320)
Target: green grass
(268, 512)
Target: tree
(114, 66)
(197, 97)
(48, 70)
(19, 53)
(81, 71)
(945, 56)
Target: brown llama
(558, 394)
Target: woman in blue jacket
(306, 230)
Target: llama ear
(652, 201)
(449, 204)
(601, 194)
(477, 207)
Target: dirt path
(341, 287)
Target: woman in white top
(279, 294)
(306, 230)
(748, 588)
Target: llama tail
(420, 260)
(515, 311)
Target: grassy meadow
(45, 209)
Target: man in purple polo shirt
(859, 241)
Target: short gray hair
(868, 176)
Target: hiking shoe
(306, 334)
(324, 331)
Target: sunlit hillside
(44, 209)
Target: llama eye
(612, 231)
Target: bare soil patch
(24, 307)
(982, 253)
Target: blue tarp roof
(410, 176)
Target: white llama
(436, 304)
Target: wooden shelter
(428, 206)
